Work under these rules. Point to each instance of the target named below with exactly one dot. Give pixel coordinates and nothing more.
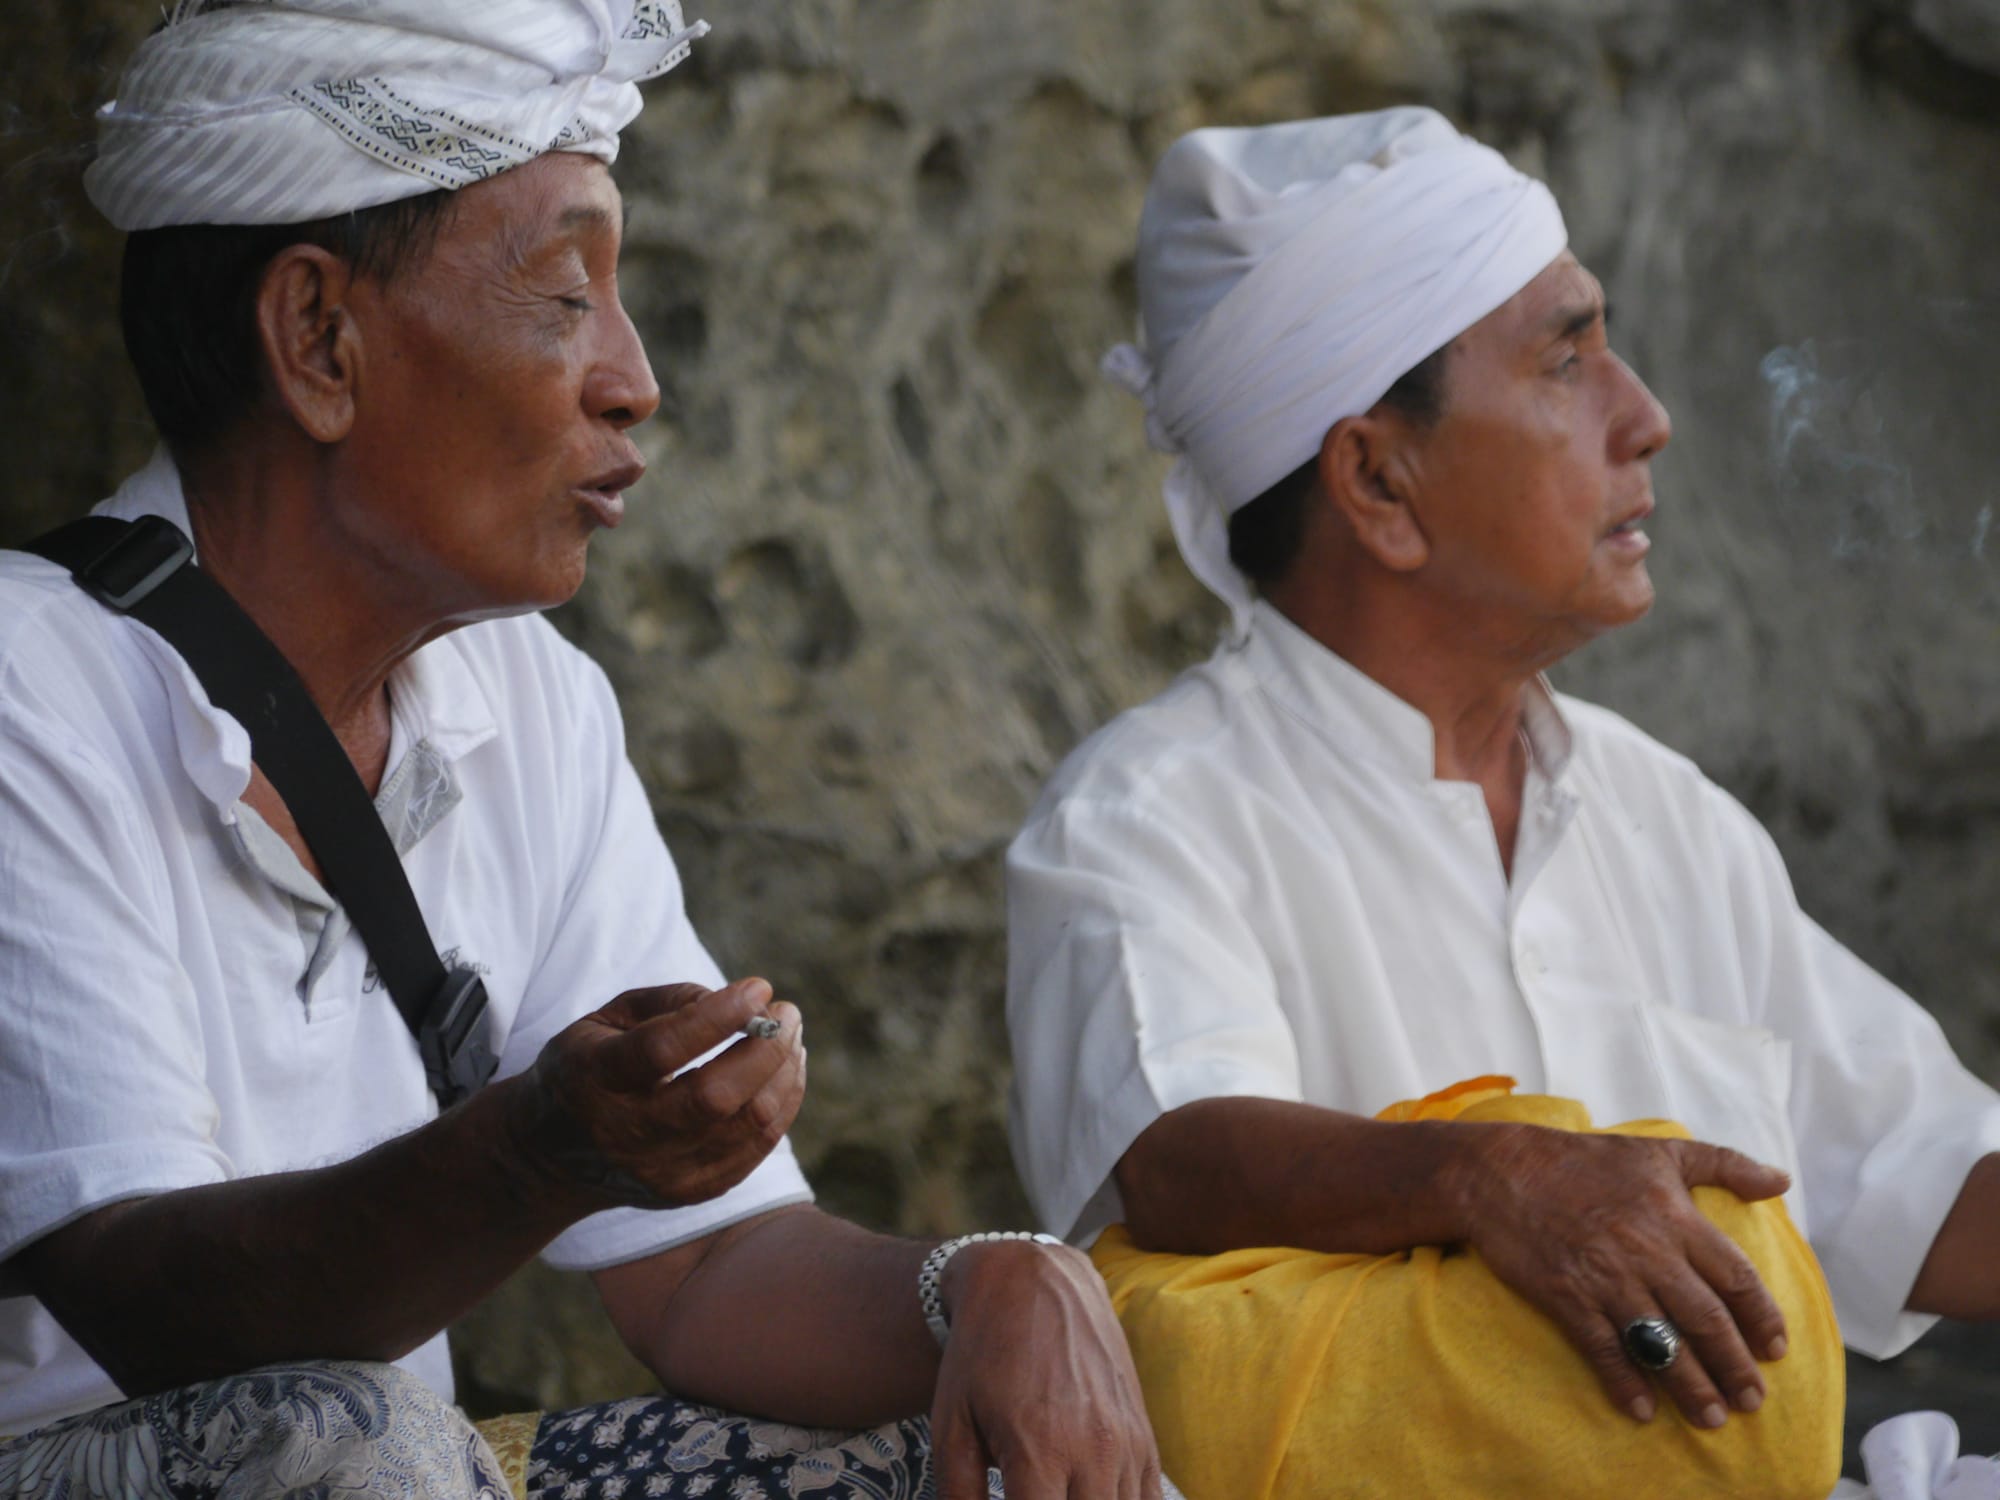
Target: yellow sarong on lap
(1280, 1374)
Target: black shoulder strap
(146, 569)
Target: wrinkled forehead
(553, 201)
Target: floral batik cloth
(333, 1429)
(321, 1430)
(658, 1446)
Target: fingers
(1023, 1477)
(1721, 1263)
(1703, 1165)
(1602, 1344)
(755, 1076)
(668, 1028)
(773, 1107)
(958, 1459)
(1714, 1370)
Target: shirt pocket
(1729, 1083)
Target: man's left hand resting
(801, 1316)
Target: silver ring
(1651, 1343)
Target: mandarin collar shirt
(182, 1003)
(1255, 885)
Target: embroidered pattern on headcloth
(451, 151)
(653, 19)
(438, 144)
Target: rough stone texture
(901, 548)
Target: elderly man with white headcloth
(371, 293)
(1365, 852)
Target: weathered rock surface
(901, 548)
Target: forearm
(796, 1316)
(1225, 1174)
(365, 1259)
(1959, 1278)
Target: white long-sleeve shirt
(1254, 885)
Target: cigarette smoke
(1841, 436)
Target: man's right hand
(612, 1109)
(1598, 1230)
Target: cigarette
(762, 1028)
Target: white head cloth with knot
(1289, 275)
(285, 111)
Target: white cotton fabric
(181, 1004)
(1255, 885)
(283, 111)
(1915, 1457)
(1289, 275)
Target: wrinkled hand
(1596, 1230)
(604, 1113)
(1037, 1381)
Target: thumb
(958, 1455)
(1703, 1165)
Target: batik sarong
(339, 1429)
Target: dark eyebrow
(591, 215)
(1572, 322)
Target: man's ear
(1367, 474)
(311, 344)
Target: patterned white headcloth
(283, 111)
(1289, 275)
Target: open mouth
(605, 493)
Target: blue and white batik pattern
(658, 1448)
(324, 1431)
(319, 1430)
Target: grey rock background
(901, 549)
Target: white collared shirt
(180, 1001)
(1255, 885)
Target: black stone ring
(1651, 1343)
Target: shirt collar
(1359, 716)
(435, 696)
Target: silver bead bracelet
(931, 1273)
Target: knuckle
(1602, 1348)
(1712, 1323)
(1739, 1281)
(712, 1099)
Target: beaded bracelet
(932, 1271)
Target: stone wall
(900, 548)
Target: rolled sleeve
(1133, 988)
(1887, 1121)
(624, 926)
(1889, 1125)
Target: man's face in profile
(1534, 484)
(498, 378)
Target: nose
(1642, 427)
(621, 388)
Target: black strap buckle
(145, 557)
(452, 1039)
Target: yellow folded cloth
(1280, 1374)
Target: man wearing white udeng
(371, 293)
(1364, 852)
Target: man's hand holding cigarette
(615, 1112)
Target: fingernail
(1778, 1347)
(757, 992)
(1642, 1408)
(1749, 1398)
(1713, 1416)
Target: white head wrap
(1289, 275)
(283, 111)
